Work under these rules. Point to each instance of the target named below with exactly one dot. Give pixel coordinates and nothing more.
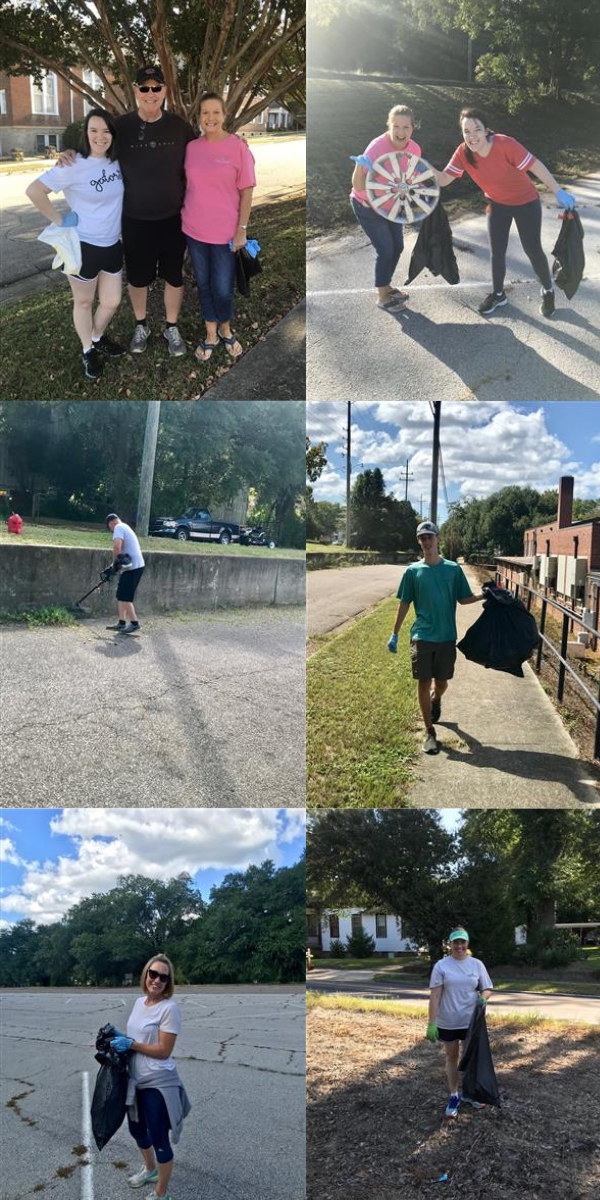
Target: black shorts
(452, 1035)
(128, 581)
(95, 259)
(153, 248)
(432, 660)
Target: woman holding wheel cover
(458, 983)
(499, 165)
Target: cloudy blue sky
(485, 445)
(52, 858)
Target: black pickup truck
(195, 523)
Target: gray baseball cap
(426, 527)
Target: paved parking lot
(241, 1056)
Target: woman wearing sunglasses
(157, 1103)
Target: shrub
(337, 949)
(71, 138)
(360, 944)
(548, 948)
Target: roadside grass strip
(49, 535)
(42, 354)
(39, 617)
(397, 1008)
(362, 717)
(536, 986)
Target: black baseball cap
(147, 73)
(111, 517)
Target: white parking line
(429, 287)
(87, 1177)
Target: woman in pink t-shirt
(387, 237)
(220, 178)
(499, 164)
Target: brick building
(33, 117)
(560, 559)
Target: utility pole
(435, 459)
(406, 475)
(147, 473)
(348, 471)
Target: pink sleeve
(246, 173)
(517, 155)
(456, 166)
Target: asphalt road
(339, 594)
(280, 171)
(556, 1008)
(202, 711)
(440, 346)
(241, 1058)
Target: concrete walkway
(502, 743)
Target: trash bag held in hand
(569, 258)
(479, 1078)
(110, 1092)
(504, 636)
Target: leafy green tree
(379, 521)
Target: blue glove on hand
(362, 160)
(393, 643)
(71, 219)
(121, 1043)
(565, 199)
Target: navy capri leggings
(152, 1126)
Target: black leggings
(529, 224)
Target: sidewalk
(503, 744)
(272, 370)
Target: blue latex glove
(71, 219)
(393, 643)
(252, 247)
(565, 199)
(121, 1043)
(362, 160)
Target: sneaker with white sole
(452, 1106)
(492, 302)
(141, 1178)
(130, 627)
(473, 1103)
(430, 745)
(139, 340)
(176, 344)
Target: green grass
(39, 617)
(42, 352)
(353, 111)
(540, 987)
(396, 1008)
(362, 964)
(49, 535)
(318, 548)
(361, 717)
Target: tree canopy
(252, 50)
(379, 521)
(251, 929)
(496, 524)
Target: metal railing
(568, 616)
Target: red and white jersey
(502, 175)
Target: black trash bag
(569, 258)
(504, 636)
(479, 1078)
(434, 249)
(246, 267)
(110, 1092)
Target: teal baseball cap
(458, 933)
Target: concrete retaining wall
(41, 576)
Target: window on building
(93, 81)
(312, 925)
(356, 919)
(44, 96)
(2, 102)
(334, 927)
(380, 925)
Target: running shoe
(547, 306)
(139, 340)
(430, 745)
(436, 710)
(141, 1178)
(452, 1106)
(473, 1103)
(493, 301)
(130, 628)
(111, 349)
(176, 343)
(118, 626)
(92, 364)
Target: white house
(386, 928)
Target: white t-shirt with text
(93, 188)
(131, 546)
(461, 981)
(144, 1025)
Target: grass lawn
(47, 535)
(362, 717)
(550, 987)
(361, 964)
(42, 352)
(560, 134)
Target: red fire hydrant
(15, 523)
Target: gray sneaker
(141, 1178)
(139, 340)
(177, 346)
(130, 628)
(430, 745)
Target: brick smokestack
(565, 501)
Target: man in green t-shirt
(435, 586)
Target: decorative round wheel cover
(402, 187)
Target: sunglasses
(157, 975)
(146, 88)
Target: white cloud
(160, 843)
(8, 853)
(5, 824)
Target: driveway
(440, 346)
(202, 711)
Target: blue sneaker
(473, 1103)
(452, 1106)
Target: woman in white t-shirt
(159, 1103)
(93, 189)
(458, 984)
